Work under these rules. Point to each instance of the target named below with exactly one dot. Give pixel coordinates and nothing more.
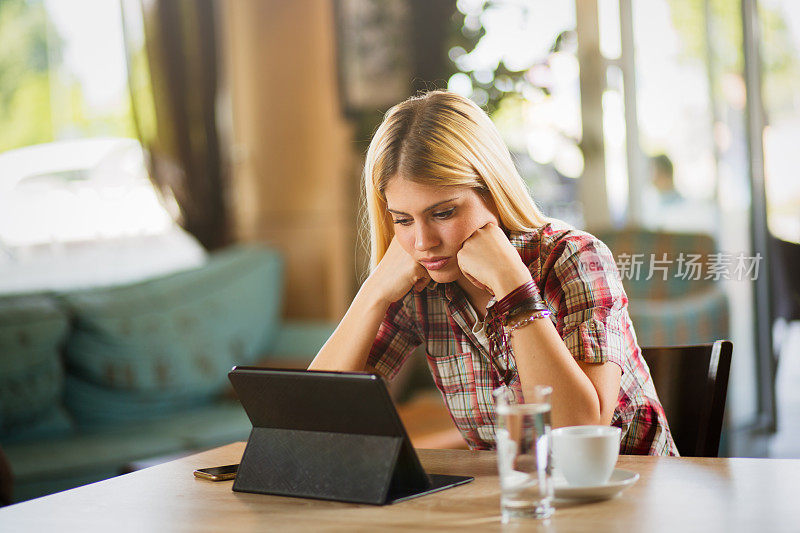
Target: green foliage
(24, 80)
(25, 115)
(689, 20)
(780, 66)
(143, 94)
(505, 83)
(40, 101)
(509, 116)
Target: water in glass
(524, 458)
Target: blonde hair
(441, 138)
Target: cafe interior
(181, 192)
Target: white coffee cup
(586, 455)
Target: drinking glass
(524, 453)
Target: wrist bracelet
(533, 316)
(525, 301)
(525, 307)
(524, 292)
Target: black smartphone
(217, 473)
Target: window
(70, 167)
(76, 205)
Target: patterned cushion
(693, 319)
(670, 301)
(172, 340)
(95, 405)
(55, 423)
(665, 258)
(32, 330)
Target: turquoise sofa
(93, 380)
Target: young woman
(465, 263)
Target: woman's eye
(441, 215)
(402, 221)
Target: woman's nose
(425, 237)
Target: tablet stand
(315, 464)
(297, 450)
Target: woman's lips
(435, 264)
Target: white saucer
(620, 480)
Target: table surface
(673, 494)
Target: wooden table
(673, 494)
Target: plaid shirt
(579, 282)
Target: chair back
(785, 263)
(6, 481)
(692, 384)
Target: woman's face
(432, 222)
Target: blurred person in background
(666, 209)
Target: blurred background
(180, 192)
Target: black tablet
(327, 435)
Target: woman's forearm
(543, 359)
(348, 348)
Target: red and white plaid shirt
(578, 280)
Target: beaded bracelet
(526, 307)
(535, 315)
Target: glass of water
(524, 453)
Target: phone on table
(217, 473)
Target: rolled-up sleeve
(397, 337)
(584, 287)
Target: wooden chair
(6, 481)
(784, 265)
(692, 384)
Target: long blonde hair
(441, 138)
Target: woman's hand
(396, 274)
(490, 262)
(349, 347)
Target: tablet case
(327, 435)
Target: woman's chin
(444, 275)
